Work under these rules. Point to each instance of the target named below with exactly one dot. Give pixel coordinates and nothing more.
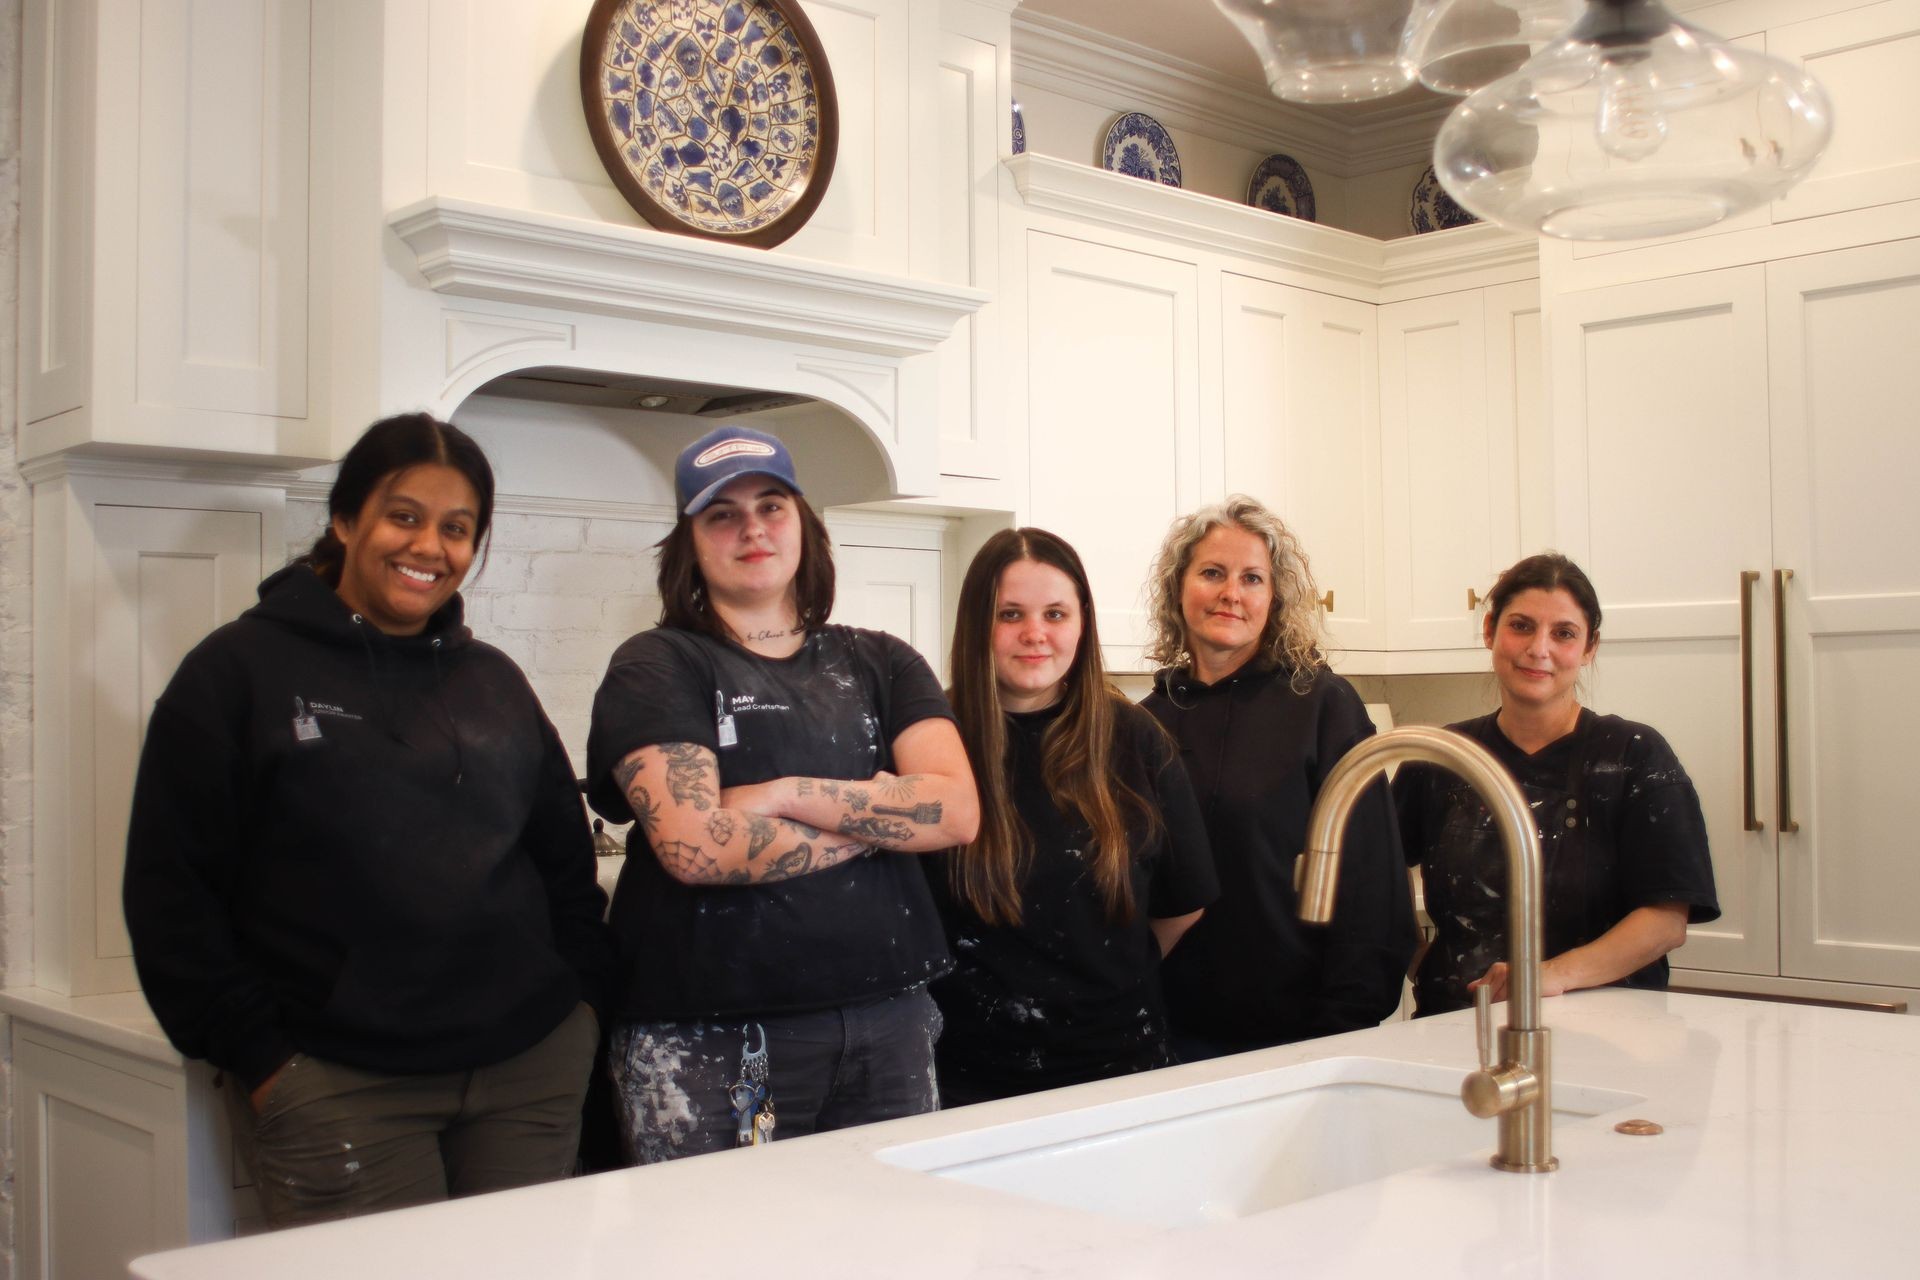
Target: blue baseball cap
(723, 455)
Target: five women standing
(359, 879)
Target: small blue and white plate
(1139, 146)
(1280, 185)
(1434, 209)
(1019, 131)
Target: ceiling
(1194, 31)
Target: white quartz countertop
(1792, 1148)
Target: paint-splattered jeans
(333, 1141)
(827, 1070)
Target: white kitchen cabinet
(1113, 391)
(119, 1153)
(1460, 398)
(1727, 445)
(1299, 399)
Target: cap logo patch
(733, 448)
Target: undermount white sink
(1234, 1147)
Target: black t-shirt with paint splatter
(859, 931)
(1070, 994)
(1620, 828)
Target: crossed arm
(790, 827)
(1642, 936)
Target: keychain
(752, 1104)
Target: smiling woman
(359, 880)
(1260, 721)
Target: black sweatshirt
(366, 847)
(1250, 973)
(1069, 994)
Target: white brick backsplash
(504, 571)
(570, 655)
(534, 611)
(585, 573)
(515, 532)
(625, 535)
(621, 616)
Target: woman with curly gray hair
(1260, 719)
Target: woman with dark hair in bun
(1622, 840)
(359, 879)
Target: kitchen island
(1791, 1147)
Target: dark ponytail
(388, 447)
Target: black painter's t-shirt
(1069, 994)
(1620, 828)
(858, 931)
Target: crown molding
(1079, 62)
(472, 250)
(98, 462)
(1328, 258)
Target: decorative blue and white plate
(1434, 209)
(1138, 146)
(1280, 185)
(1019, 131)
(713, 117)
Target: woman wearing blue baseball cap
(774, 944)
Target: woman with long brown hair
(1091, 860)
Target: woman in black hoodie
(1260, 720)
(359, 879)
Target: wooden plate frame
(593, 40)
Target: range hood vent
(618, 391)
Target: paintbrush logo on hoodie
(306, 722)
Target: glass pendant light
(1632, 124)
(1327, 50)
(1460, 45)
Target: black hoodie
(363, 846)
(1250, 973)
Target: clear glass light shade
(1460, 45)
(1327, 50)
(1621, 138)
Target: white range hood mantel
(473, 250)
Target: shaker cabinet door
(1114, 415)
(1660, 454)
(1846, 448)
(1299, 398)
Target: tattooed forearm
(857, 798)
(803, 786)
(796, 861)
(803, 859)
(721, 827)
(927, 814)
(690, 778)
(760, 834)
(687, 863)
(877, 830)
(896, 788)
(646, 810)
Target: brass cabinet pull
(1781, 577)
(1750, 820)
(1326, 601)
(1474, 599)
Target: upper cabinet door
(1114, 412)
(1443, 511)
(1300, 404)
(1866, 58)
(1660, 453)
(1846, 449)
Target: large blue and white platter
(713, 117)
(1433, 209)
(1280, 185)
(1140, 147)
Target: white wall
(16, 617)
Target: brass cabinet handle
(1326, 601)
(1750, 820)
(1781, 577)
(1474, 599)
